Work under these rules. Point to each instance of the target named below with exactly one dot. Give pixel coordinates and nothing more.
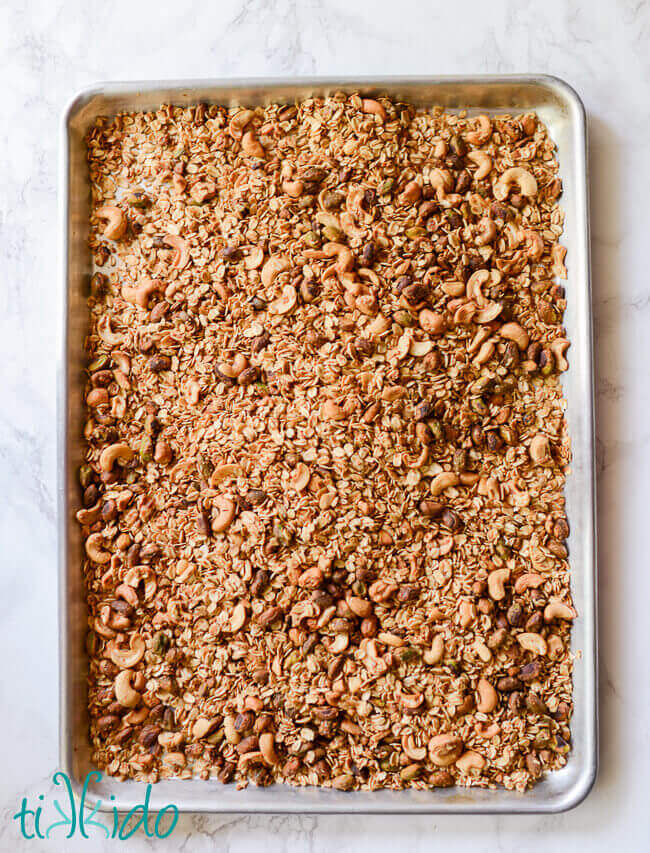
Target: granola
(323, 500)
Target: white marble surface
(49, 49)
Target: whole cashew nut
(516, 176)
(267, 748)
(140, 295)
(127, 658)
(496, 583)
(558, 610)
(293, 188)
(332, 411)
(514, 332)
(482, 133)
(251, 145)
(471, 762)
(410, 194)
(286, 302)
(106, 333)
(442, 182)
(529, 580)
(443, 481)
(116, 221)
(486, 232)
(445, 749)
(483, 161)
(540, 451)
(343, 255)
(436, 653)
(487, 697)
(374, 108)
(182, 250)
(95, 549)
(124, 692)
(534, 643)
(225, 514)
(239, 122)
(558, 347)
(91, 515)
(273, 267)
(431, 321)
(474, 285)
(120, 453)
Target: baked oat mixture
(323, 494)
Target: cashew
(234, 370)
(487, 696)
(514, 332)
(89, 516)
(140, 295)
(410, 194)
(354, 205)
(516, 176)
(529, 580)
(300, 477)
(106, 333)
(539, 449)
(223, 473)
(483, 161)
(558, 610)
(443, 481)
(482, 133)
(293, 188)
(445, 749)
(516, 496)
(534, 643)
(238, 618)
(467, 613)
(485, 353)
(486, 231)
(411, 701)
(435, 654)
(120, 453)
(558, 254)
(254, 258)
(128, 593)
(95, 550)
(267, 748)
(128, 658)
(414, 752)
(474, 285)
(124, 692)
(558, 347)
(442, 182)
(275, 265)
(97, 397)
(332, 411)
(496, 583)
(181, 250)
(286, 302)
(251, 145)
(378, 327)
(203, 727)
(343, 255)
(489, 313)
(374, 108)
(116, 221)
(431, 321)
(471, 762)
(225, 514)
(239, 122)
(534, 244)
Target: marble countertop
(48, 50)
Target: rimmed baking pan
(562, 112)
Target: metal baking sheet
(563, 113)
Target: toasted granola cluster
(323, 500)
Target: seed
(508, 684)
(451, 520)
(158, 363)
(515, 615)
(159, 643)
(561, 530)
(535, 704)
(331, 199)
(530, 671)
(431, 509)
(368, 254)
